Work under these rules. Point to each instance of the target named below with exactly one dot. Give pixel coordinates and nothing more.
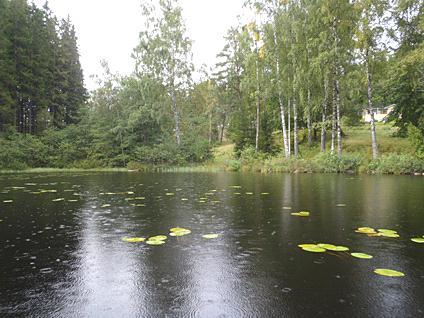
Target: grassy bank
(396, 157)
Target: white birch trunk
(295, 136)
(280, 97)
(324, 116)
(374, 144)
(338, 123)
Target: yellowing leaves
(301, 213)
(388, 272)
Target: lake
(62, 252)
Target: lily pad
(366, 230)
(417, 240)
(179, 231)
(335, 248)
(210, 236)
(327, 246)
(388, 234)
(388, 272)
(155, 242)
(301, 213)
(307, 245)
(133, 239)
(314, 249)
(361, 255)
(158, 238)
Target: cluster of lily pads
(380, 232)
(323, 247)
(160, 239)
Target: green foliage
(397, 164)
(336, 164)
(416, 136)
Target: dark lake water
(66, 258)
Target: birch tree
(164, 52)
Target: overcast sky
(109, 30)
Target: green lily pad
(338, 248)
(307, 245)
(388, 234)
(365, 230)
(361, 255)
(210, 236)
(387, 231)
(179, 231)
(158, 238)
(417, 240)
(314, 249)
(155, 242)
(301, 213)
(133, 239)
(327, 246)
(388, 272)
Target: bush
(397, 164)
(336, 164)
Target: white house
(381, 114)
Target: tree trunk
(289, 123)
(324, 114)
(176, 117)
(309, 120)
(338, 123)
(374, 144)
(333, 127)
(295, 136)
(221, 135)
(210, 128)
(258, 101)
(280, 97)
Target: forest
(287, 94)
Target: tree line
(298, 73)
(41, 80)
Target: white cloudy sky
(109, 29)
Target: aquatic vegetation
(333, 248)
(388, 272)
(314, 249)
(179, 231)
(380, 232)
(418, 239)
(365, 230)
(301, 213)
(361, 255)
(158, 238)
(155, 242)
(210, 236)
(133, 239)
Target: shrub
(336, 164)
(397, 164)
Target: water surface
(66, 258)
